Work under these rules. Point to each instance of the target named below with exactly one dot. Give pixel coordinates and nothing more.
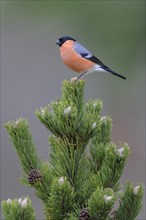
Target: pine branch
(71, 162)
(130, 203)
(17, 209)
(63, 117)
(61, 199)
(69, 118)
(113, 165)
(77, 184)
(99, 143)
(43, 188)
(101, 203)
(22, 141)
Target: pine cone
(34, 176)
(84, 215)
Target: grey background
(32, 73)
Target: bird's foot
(74, 79)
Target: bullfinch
(79, 59)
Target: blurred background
(32, 73)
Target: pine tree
(82, 179)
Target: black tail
(111, 71)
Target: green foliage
(80, 179)
(69, 118)
(22, 141)
(113, 165)
(18, 209)
(104, 131)
(101, 203)
(69, 161)
(74, 214)
(130, 203)
(61, 199)
(42, 189)
(99, 142)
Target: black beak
(58, 42)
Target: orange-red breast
(79, 59)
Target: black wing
(95, 60)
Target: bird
(75, 56)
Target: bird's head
(62, 40)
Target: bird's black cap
(62, 40)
